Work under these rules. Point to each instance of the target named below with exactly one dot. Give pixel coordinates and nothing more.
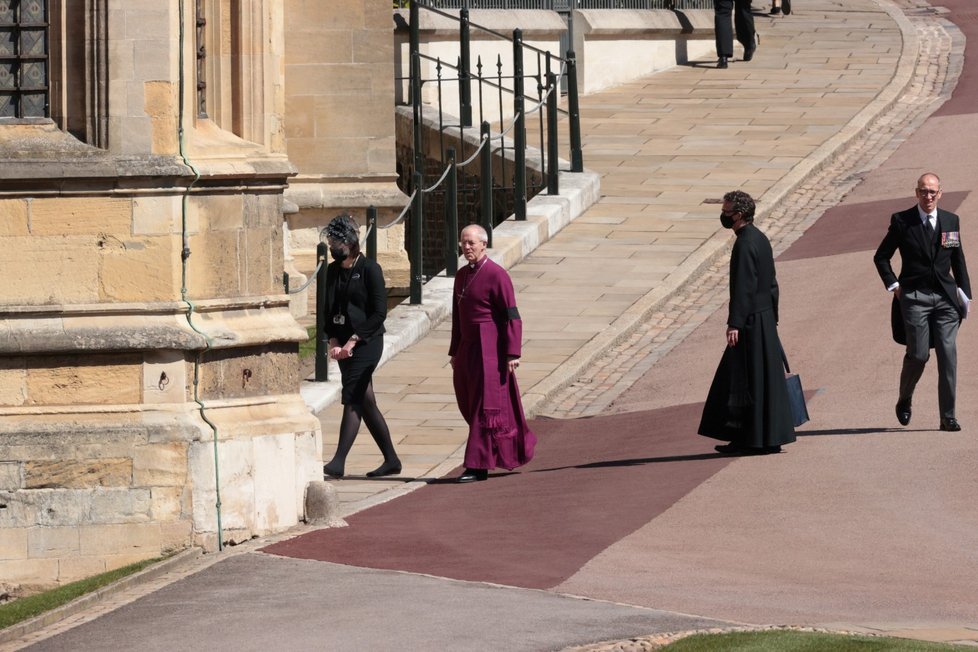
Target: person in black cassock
(743, 24)
(748, 400)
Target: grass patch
(34, 605)
(796, 641)
(307, 349)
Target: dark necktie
(928, 230)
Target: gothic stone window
(24, 90)
(54, 65)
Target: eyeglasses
(470, 243)
(927, 191)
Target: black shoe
(722, 62)
(786, 6)
(903, 412)
(472, 475)
(775, 11)
(749, 51)
(334, 472)
(737, 449)
(950, 425)
(387, 468)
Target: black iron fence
(559, 5)
(479, 152)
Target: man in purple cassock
(485, 351)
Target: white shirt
(931, 217)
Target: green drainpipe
(184, 256)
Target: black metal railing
(559, 5)
(528, 90)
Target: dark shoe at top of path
(722, 62)
(903, 412)
(950, 425)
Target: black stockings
(369, 413)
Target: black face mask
(339, 253)
(726, 220)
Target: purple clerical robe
(486, 332)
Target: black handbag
(796, 395)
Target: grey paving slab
(238, 604)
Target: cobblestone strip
(935, 74)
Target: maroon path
(594, 481)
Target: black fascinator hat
(343, 228)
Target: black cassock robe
(748, 400)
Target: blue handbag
(796, 395)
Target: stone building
(339, 128)
(162, 164)
(148, 356)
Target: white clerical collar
(479, 263)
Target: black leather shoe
(950, 425)
(722, 62)
(903, 412)
(786, 6)
(472, 475)
(749, 51)
(387, 468)
(333, 472)
(737, 449)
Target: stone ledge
(534, 23)
(28, 330)
(655, 23)
(44, 160)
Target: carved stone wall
(339, 99)
(148, 357)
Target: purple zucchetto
(343, 228)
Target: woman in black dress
(356, 306)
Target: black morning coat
(365, 297)
(923, 265)
(748, 399)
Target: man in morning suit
(933, 291)
(743, 23)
